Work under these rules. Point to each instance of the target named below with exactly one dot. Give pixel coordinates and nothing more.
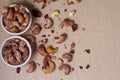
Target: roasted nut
(67, 22)
(10, 14)
(22, 46)
(49, 23)
(18, 56)
(31, 67)
(22, 9)
(36, 29)
(68, 57)
(60, 61)
(42, 51)
(73, 2)
(6, 58)
(26, 19)
(19, 17)
(66, 68)
(49, 67)
(7, 50)
(15, 46)
(12, 60)
(60, 39)
(51, 50)
(25, 54)
(16, 8)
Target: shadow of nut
(61, 38)
(41, 50)
(66, 68)
(31, 67)
(68, 57)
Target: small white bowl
(12, 5)
(29, 48)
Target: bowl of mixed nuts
(15, 51)
(16, 19)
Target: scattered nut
(72, 46)
(73, 2)
(67, 22)
(31, 67)
(51, 50)
(49, 23)
(42, 51)
(60, 39)
(68, 57)
(72, 13)
(74, 27)
(60, 61)
(66, 68)
(55, 13)
(36, 29)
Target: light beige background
(100, 18)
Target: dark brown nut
(42, 51)
(66, 68)
(25, 54)
(31, 67)
(18, 56)
(36, 29)
(12, 60)
(67, 22)
(10, 14)
(60, 39)
(73, 2)
(19, 17)
(68, 57)
(49, 23)
(7, 50)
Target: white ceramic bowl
(29, 48)
(28, 26)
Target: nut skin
(31, 67)
(60, 39)
(49, 23)
(66, 68)
(36, 29)
(68, 57)
(41, 50)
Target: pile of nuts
(16, 18)
(15, 51)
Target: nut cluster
(16, 18)
(15, 51)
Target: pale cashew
(60, 39)
(22, 9)
(22, 45)
(16, 8)
(12, 60)
(18, 56)
(27, 19)
(49, 23)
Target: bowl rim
(28, 26)
(28, 45)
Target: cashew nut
(60, 61)
(49, 23)
(22, 46)
(22, 10)
(26, 19)
(73, 2)
(18, 56)
(51, 50)
(60, 39)
(16, 8)
(42, 51)
(19, 17)
(7, 50)
(15, 46)
(10, 14)
(68, 57)
(31, 67)
(25, 54)
(67, 22)
(36, 29)
(66, 68)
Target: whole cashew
(25, 54)
(26, 19)
(18, 56)
(49, 23)
(10, 14)
(12, 60)
(66, 68)
(14, 30)
(42, 51)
